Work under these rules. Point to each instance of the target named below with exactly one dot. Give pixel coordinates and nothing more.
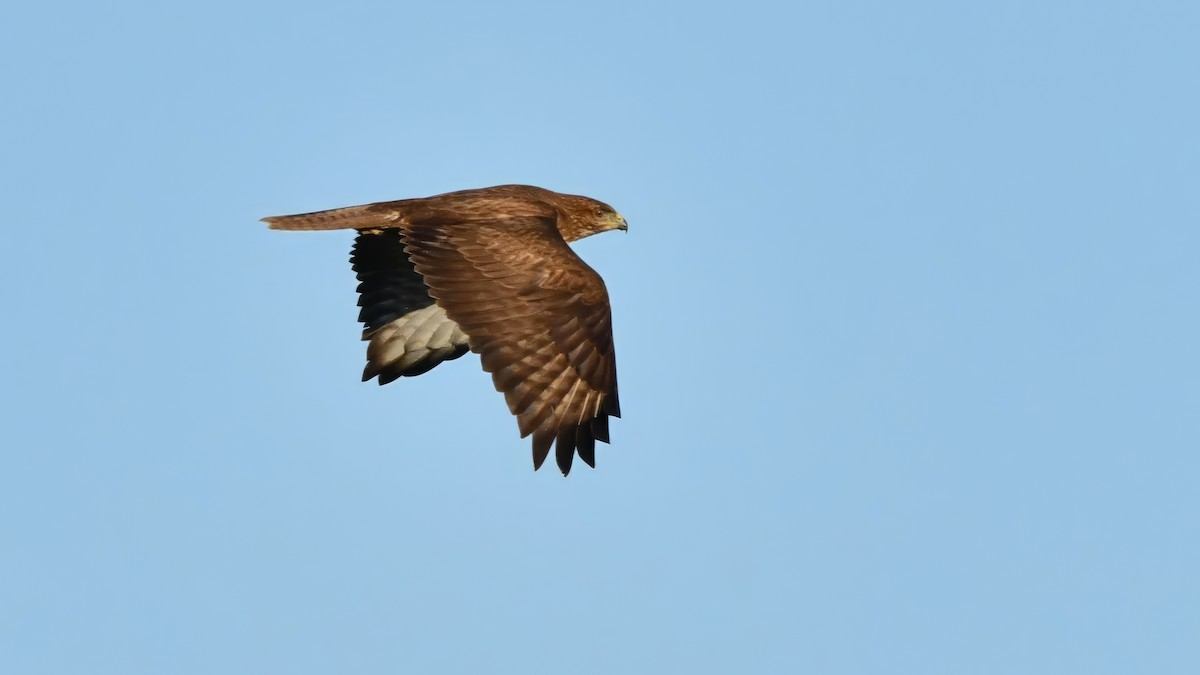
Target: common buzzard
(489, 270)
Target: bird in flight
(490, 270)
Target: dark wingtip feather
(600, 428)
(388, 372)
(564, 449)
(611, 405)
(542, 439)
(585, 444)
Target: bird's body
(489, 270)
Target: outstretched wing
(408, 333)
(539, 318)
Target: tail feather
(366, 217)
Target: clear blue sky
(906, 321)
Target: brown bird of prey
(489, 270)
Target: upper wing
(539, 318)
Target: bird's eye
(599, 210)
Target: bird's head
(584, 217)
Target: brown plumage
(489, 270)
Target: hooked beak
(624, 225)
